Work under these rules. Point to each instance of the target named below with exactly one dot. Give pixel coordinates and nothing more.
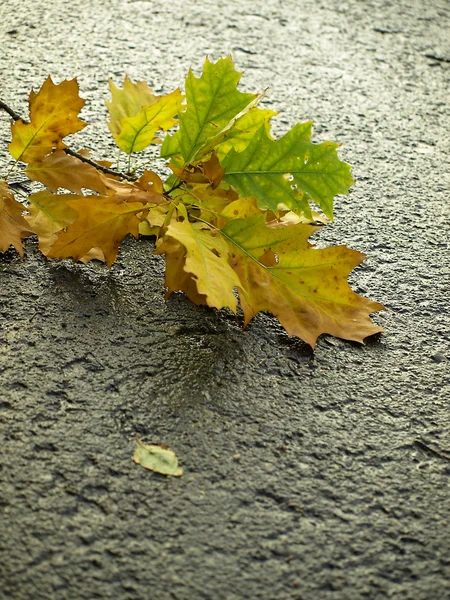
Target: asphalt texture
(308, 476)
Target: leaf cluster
(234, 218)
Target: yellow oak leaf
(304, 287)
(151, 181)
(93, 254)
(204, 259)
(53, 115)
(241, 209)
(127, 102)
(243, 130)
(155, 219)
(103, 222)
(138, 131)
(176, 278)
(60, 170)
(239, 132)
(13, 226)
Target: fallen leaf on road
(157, 458)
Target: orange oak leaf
(304, 287)
(147, 189)
(209, 171)
(60, 170)
(103, 222)
(53, 115)
(13, 226)
(49, 214)
(213, 170)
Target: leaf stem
(175, 187)
(101, 168)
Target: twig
(101, 168)
(438, 58)
(10, 112)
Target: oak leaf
(203, 261)
(127, 102)
(155, 219)
(49, 214)
(209, 171)
(205, 202)
(285, 174)
(138, 132)
(13, 226)
(212, 101)
(60, 170)
(147, 189)
(102, 222)
(53, 115)
(239, 132)
(304, 287)
(176, 277)
(240, 209)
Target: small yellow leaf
(53, 115)
(154, 220)
(240, 131)
(210, 202)
(241, 208)
(138, 132)
(157, 458)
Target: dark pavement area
(308, 476)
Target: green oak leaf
(212, 101)
(239, 132)
(306, 288)
(287, 173)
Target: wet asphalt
(308, 476)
